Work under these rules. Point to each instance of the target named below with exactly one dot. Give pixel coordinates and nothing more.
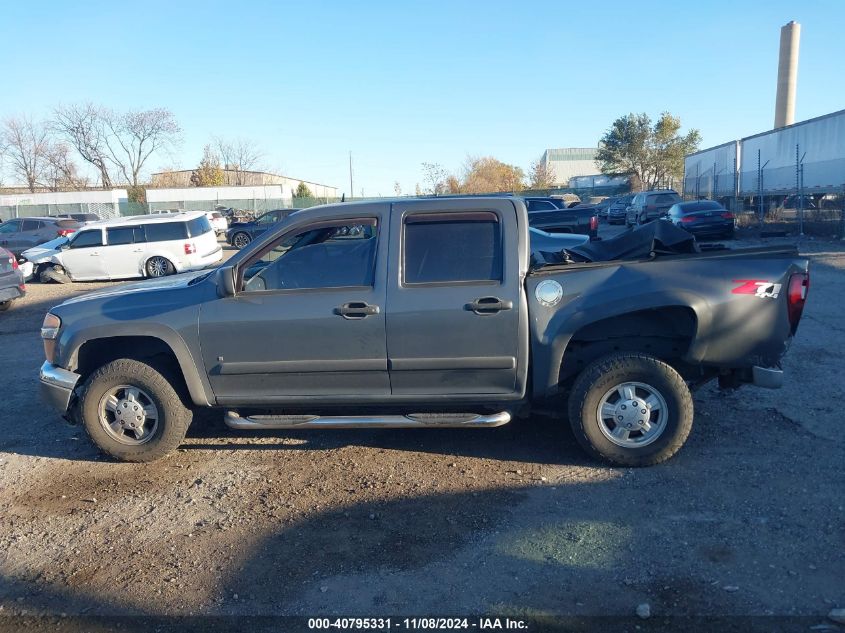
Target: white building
(569, 162)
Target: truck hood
(172, 282)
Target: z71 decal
(756, 287)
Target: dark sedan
(242, 233)
(20, 234)
(703, 218)
(11, 280)
(618, 209)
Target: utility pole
(351, 190)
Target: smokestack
(790, 35)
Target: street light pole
(351, 190)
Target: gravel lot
(746, 520)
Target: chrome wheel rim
(157, 267)
(128, 414)
(632, 414)
(241, 240)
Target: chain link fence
(242, 207)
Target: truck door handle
(356, 310)
(489, 305)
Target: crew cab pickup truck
(427, 313)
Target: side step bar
(413, 420)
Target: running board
(413, 420)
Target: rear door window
(165, 231)
(124, 235)
(199, 226)
(452, 247)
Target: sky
(402, 83)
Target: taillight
(688, 218)
(65, 232)
(190, 248)
(796, 297)
(14, 263)
(728, 215)
(594, 223)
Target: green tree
(302, 191)
(209, 173)
(648, 153)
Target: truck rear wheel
(132, 412)
(631, 410)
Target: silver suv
(650, 205)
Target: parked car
(551, 215)
(794, 201)
(123, 248)
(703, 218)
(218, 222)
(602, 207)
(618, 209)
(650, 205)
(240, 234)
(427, 313)
(12, 284)
(80, 217)
(566, 200)
(19, 234)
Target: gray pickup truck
(427, 313)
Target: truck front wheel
(132, 412)
(631, 410)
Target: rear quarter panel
(733, 329)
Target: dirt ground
(746, 521)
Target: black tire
(174, 417)
(241, 240)
(600, 377)
(159, 266)
(54, 274)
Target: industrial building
(566, 163)
(807, 157)
(187, 177)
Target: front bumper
(57, 385)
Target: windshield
(54, 244)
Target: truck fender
(197, 383)
(550, 347)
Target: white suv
(139, 246)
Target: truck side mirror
(226, 281)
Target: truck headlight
(49, 334)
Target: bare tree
(26, 145)
(82, 126)
(61, 172)
(238, 156)
(435, 176)
(136, 135)
(117, 144)
(541, 175)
